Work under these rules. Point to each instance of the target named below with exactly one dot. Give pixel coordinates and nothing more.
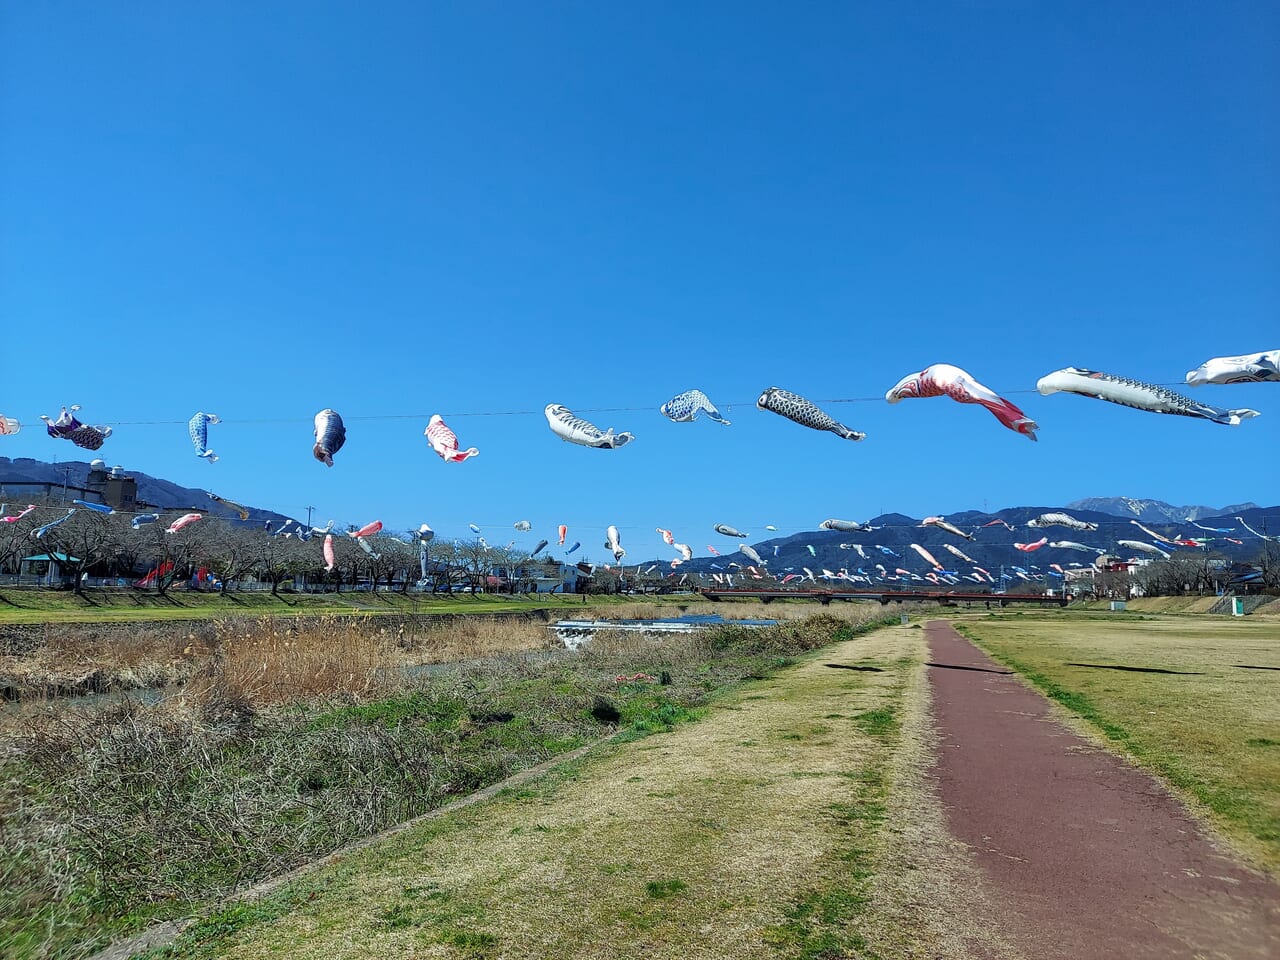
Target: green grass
(661, 889)
(823, 921)
(878, 723)
(1209, 731)
(679, 844)
(186, 807)
(32, 606)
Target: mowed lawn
(1210, 725)
(763, 829)
(33, 607)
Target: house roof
(60, 557)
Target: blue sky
(474, 209)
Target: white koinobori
(1151, 533)
(576, 430)
(1136, 394)
(958, 552)
(613, 542)
(1139, 545)
(1073, 545)
(941, 524)
(685, 407)
(1250, 368)
(1060, 520)
(928, 557)
(846, 526)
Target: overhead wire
(459, 414)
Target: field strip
(165, 933)
(1094, 857)
(753, 831)
(1195, 701)
(39, 610)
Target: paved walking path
(1090, 856)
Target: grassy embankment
(1176, 605)
(768, 828)
(1209, 724)
(296, 744)
(51, 661)
(105, 606)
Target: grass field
(760, 830)
(1208, 722)
(297, 743)
(34, 607)
(275, 658)
(795, 818)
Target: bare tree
(230, 551)
(399, 560)
(280, 558)
(473, 561)
(171, 553)
(509, 561)
(83, 540)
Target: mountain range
(1155, 510)
(889, 543)
(992, 546)
(152, 491)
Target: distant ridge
(993, 546)
(889, 546)
(151, 490)
(1155, 511)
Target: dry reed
(269, 662)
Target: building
(47, 568)
(112, 487)
(29, 491)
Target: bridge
(943, 597)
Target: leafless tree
(473, 561)
(15, 539)
(230, 550)
(399, 561)
(83, 540)
(280, 558)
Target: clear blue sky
(400, 209)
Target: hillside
(155, 491)
(1155, 510)
(889, 546)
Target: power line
(461, 414)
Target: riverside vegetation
(290, 739)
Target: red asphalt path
(1088, 856)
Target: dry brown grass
(60, 660)
(473, 638)
(261, 662)
(116, 812)
(268, 662)
(261, 658)
(705, 842)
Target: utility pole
(309, 511)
